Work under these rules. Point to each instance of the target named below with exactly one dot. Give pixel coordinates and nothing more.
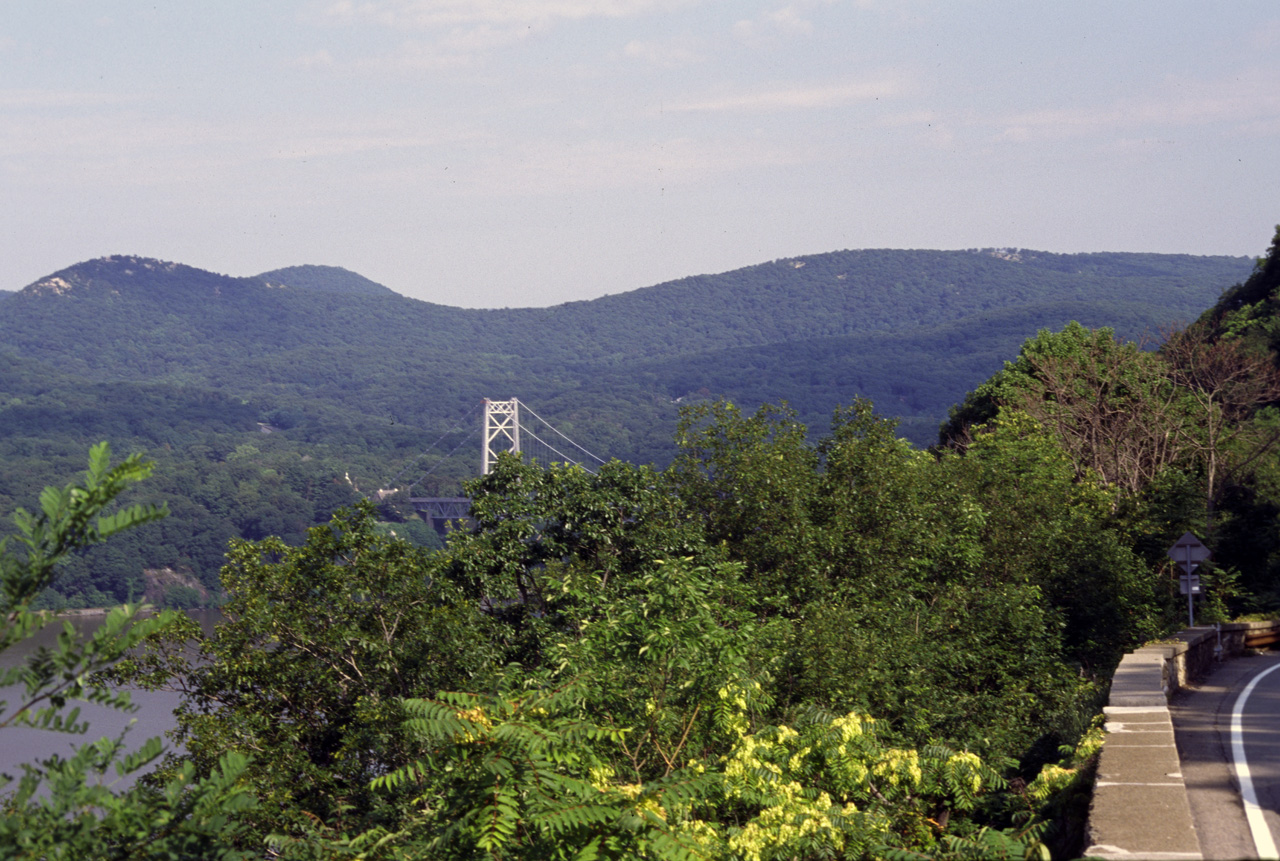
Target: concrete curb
(1140, 808)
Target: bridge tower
(501, 430)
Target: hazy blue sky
(530, 152)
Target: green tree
(1046, 527)
(1112, 406)
(919, 625)
(751, 481)
(318, 647)
(528, 521)
(643, 736)
(65, 807)
(1226, 382)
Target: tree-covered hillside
(1189, 433)
(323, 335)
(267, 400)
(784, 644)
(329, 279)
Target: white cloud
(1266, 37)
(459, 33)
(459, 47)
(108, 139)
(786, 21)
(798, 98)
(907, 118)
(61, 99)
(431, 14)
(556, 169)
(135, 149)
(667, 54)
(485, 37)
(315, 60)
(321, 145)
(1243, 100)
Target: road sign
(1188, 552)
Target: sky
(515, 153)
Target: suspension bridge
(502, 431)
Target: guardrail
(1139, 807)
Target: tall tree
(65, 808)
(1111, 404)
(319, 645)
(1227, 382)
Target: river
(153, 717)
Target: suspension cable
(566, 457)
(597, 459)
(466, 439)
(453, 429)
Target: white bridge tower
(501, 430)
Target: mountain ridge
(150, 320)
(328, 279)
(267, 400)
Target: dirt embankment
(165, 584)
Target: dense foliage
(772, 648)
(65, 807)
(1184, 435)
(267, 402)
(777, 646)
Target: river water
(153, 717)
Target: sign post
(1188, 552)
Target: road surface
(1203, 725)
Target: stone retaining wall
(1140, 807)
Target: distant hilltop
(190, 366)
(912, 330)
(329, 279)
(118, 272)
(861, 266)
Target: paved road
(1202, 719)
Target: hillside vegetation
(268, 401)
(786, 644)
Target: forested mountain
(268, 400)
(360, 345)
(781, 645)
(329, 279)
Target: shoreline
(92, 612)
